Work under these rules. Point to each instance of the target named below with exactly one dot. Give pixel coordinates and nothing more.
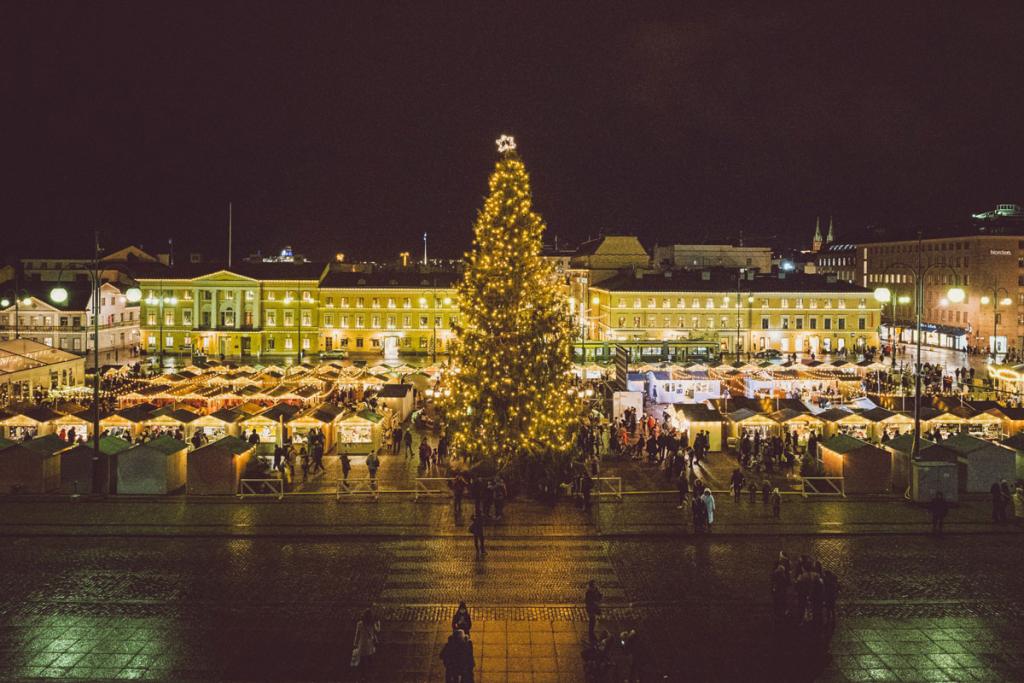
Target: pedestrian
(737, 484)
(458, 491)
(700, 514)
(407, 440)
(830, 584)
(488, 498)
(500, 494)
(476, 527)
(938, 507)
(682, 485)
(709, 507)
(586, 486)
(1018, 504)
(592, 602)
(780, 590)
(364, 645)
(776, 502)
(998, 506)
(461, 619)
(372, 464)
(453, 657)
(346, 466)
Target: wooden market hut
(934, 471)
(83, 471)
(271, 424)
(360, 432)
(981, 462)
(1013, 418)
(802, 422)
(223, 422)
(901, 448)
(397, 397)
(171, 419)
(80, 421)
(1016, 444)
(127, 422)
(217, 467)
(888, 424)
(853, 424)
(697, 417)
(950, 422)
(29, 422)
(865, 468)
(25, 470)
(51, 444)
(155, 467)
(746, 421)
(987, 425)
(323, 417)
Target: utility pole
(424, 248)
(230, 229)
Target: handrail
(261, 488)
(354, 486)
(607, 486)
(423, 487)
(830, 489)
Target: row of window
(727, 302)
(70, 321)
(697, 322)
(288, 343)
(152, 297)
(287, 318)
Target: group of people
(1007, 504)
(815, 589)
(768, 453)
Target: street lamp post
(883, 295)
(20, 297)
(739, 279)
(59, 295)
(996, 303)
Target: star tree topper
(506, 143)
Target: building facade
(257, 310)
(698, 256)
(28, 367)
(740, 312)
(68, 325)
(990, 268)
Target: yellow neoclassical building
(737, 311)
(256, 310)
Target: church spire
(816, 243)
(831, 232)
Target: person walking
(682, 486)
(346, 466)
(776, 502)
(709, 507)
(458, 491)
(500, 494)
(780, 591)
(461, 621)
(364, 645)
(592, 602)
(938, 507)
(476, 527)
(372, 464)
(453, 657)
(737, 484)
(998, 506)
(407, 440)
(586, 487)
(830, 585)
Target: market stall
(889, 425)
(83, 471)
(981, 462)
(73, 427)
(224, 422)
(1016, 444)
(24, 470)
(1013, 417)
(127, 422)
(217, 467)
(800, 424)
(28, 423)
(855, 425)
(865, 468)
(270, 425)
(697, 417)
(745, 421)
(397, 397)
(169, 421)
(986, 425)
(933, 472)
(359, 433)
(155, 467)
(323, 417)
(948, 423)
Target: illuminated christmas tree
(510, 392)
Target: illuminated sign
(1000, 252)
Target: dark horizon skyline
(356, 128)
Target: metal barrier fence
(261, 488)
(427, 487)
(608, 486)
(358, 486)
(823, 486)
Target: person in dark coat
(461, 621)
(586, 486)
(998, 506)
(938, 507)
(592, 602)
(476, 527)
(454, 654)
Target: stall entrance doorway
(390, 348)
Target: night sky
(347, 127)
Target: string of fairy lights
(508, 397)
